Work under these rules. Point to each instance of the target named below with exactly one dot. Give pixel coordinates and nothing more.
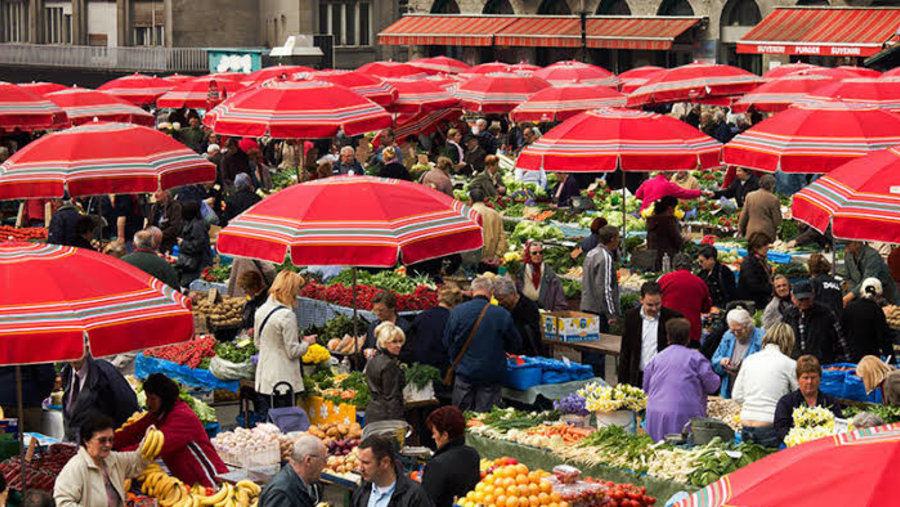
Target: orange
(533, 489)
(488, 499)
(534, 501)
(563, 504)
(478, 497)
(521, 479)
(501, 500)
(513, 491)
(544, 497)
(556, 497)
(513, 501)
(521, 469)
(488, 489)
(553, 504)
(509, 481)
(480, 486)
(546, 487)
(534, 476)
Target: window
(57, 26)
(348, 22)
(144, 35)
(14, 17)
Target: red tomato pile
(188, 354)
(624, 495)
(23, 233)
(42, 470)
(423, 297)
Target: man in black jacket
(817, 330)
(718, 277)
(62, 226)
(295, 484)
(525, 314)
(94, 384)
(645, 334)
(383, 478)
(244, 197)
(744, 183)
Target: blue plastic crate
(523, 377)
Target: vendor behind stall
(187, 451)
(878, 375)
(809, 374)
(453, 471)
(251, 282)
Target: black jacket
(721, 284)
(527, 318)
(784, 410)
(395, 170)
(664, 236)
(234, 162)
(168, 218)
(386, 380)
(407, 493)
(37, 383)
(817, 331)
(239, 201)
(452, 472)
(154, 265)
(828, 292)
(630, 356)
(62, 225)
(739, 189)
(427, 330)
(286, 489)
(867, 329)
(755, 281)
(105, 390)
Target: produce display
(422, 298)
(316, 354)
(190, 353)
(345, 436)
(888, 413)
(22, 233)
(345, 465)
(346, 345)
(513, 485)
(43, 468)
(239, 352)
(350, 388)
(726, 410)
(253, 447)
(219, 274)
(152, 444)
(171, 492)
(892, 314)
(223, 313)
(600, 398)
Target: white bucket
(623, 418)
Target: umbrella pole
(355, 318)
(21, 410)
(624, 229)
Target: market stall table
(548, 391)
(607, 344)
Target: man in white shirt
(383, 482)
(644, 335)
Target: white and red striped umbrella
(448, 82)
(497, 93)
(788, 69)
(631, 80)
(860, 71)
(101, 158)
(233, 76)
(276, 72)
(392, 69)
(881, 93)
(893, 73)
(559, 103)
(42, 88)
(424, 123)
(779, 94)
(83, 106)
(297, 109)
(440, 65)
(137, 88)
(374, 88)
(179, 78)
(571, 71)
(813, 138)
(837, 72)
(202, 93)
(494, 67)
(420, 96)
(693, 83)
(25, 110)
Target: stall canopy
(822, 31)
(612, 32)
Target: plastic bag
(226, 370)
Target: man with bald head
(294, 485)
(145, 258)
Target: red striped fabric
(444, 30)
(542, 31)
(629, 32)
(824, 31)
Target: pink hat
(246, 144)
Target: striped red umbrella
(558, 103)
(101, 158)
(813, 138)
(179, 78)
(276, 71)
(232, 76)
(63, 294)
(137, 88)
(788, 69)
(297, 109)
(631, 80)
(893, 73)
(861, 197)
(881, 93)
(605, 140)
(423, 123)
(440, 65)
(838, 72)
(494, 67)
(391, 69)
(860, 71)
(25, 110)
(201, 93)
(369, 86)
(83, 106)
(693, 83)
(353, 221)
(42, 88)
(497, 93)
(420, 96)
(779, 94)
(571, 71)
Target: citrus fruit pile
(513, 485)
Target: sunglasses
(538, 252)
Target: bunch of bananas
(171, 492)
(153, 443)
(135, 417)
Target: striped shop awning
(636, 32)
(452, 30)
(542, 31)
(822, 31)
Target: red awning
(542, 31)
(824, 31)
(633, 32)
(429, 30)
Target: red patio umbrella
(420, 96)
(860, 199)
(856, 468)
(137, 88)
(631, 80)
(25, 110)
(391, 69)
(374, 88)
(201, 93)
(63, 293)
(43, 88)
(605, 140)
(353, 221)
(497, 93)
(571, 71)
(297, 109)
(837, 72)
(101, 158)
(179, 78)
(813, 138)
(779, 94)
(694, 82)
(83, 106)
(440, 64)
(423, 123)
(895, 72)
(448, 82)
(494, 67)
(788, 69)
(277, 71)
(881, 93)
(233, 76)
(558, 103)
(860, 71)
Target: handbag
(448, 377)
(187, 263)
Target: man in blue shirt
(384, 484)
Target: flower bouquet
(614, 405)
(573, 410)
(810, 423)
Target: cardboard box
(321, 411)
(569, 326)
(10, 427)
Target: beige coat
(492, 231)
(761, 213)
(280, 348)
(81, 482)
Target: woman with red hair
(454, 469)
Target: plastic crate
(523, 377)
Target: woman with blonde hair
(876, 374)
(384, 375)
(763, 379)
(276, 334)
(392, 167)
